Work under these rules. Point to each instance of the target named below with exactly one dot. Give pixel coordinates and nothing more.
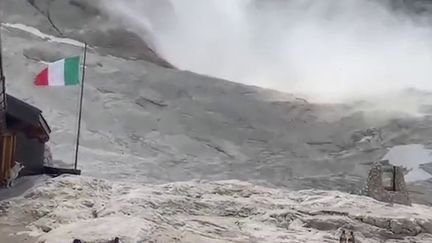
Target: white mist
(326, 50)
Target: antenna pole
(2, 77)
(3, 90)
(2, 107)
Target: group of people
(347, 237)
(116, 240)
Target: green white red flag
(64, 72)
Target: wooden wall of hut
(7, 156)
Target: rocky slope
(145, 121)
(83, 21)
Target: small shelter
(386, 183)
(23, 138)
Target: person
(351, 238)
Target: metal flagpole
(80, 105)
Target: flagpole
(80, 105)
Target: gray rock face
(147, 123)
(85, 21)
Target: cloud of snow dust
(326, 50)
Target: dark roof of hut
(28, 116)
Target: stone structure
(393, 190)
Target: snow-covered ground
(94, 210)
(411, 156)
(38, 33)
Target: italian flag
(64, 72)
